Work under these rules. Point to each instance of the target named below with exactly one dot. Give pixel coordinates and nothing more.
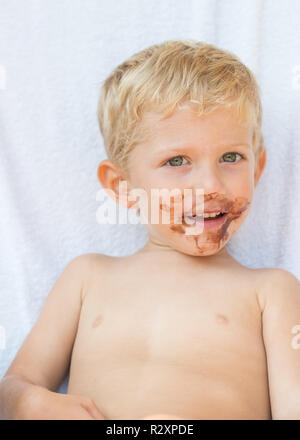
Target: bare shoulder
(81, 265)
(87, 262)
(92, 268)
(277, 286)
(91, 258)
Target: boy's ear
(260, 165)
(113, 182)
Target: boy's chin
(204, 250)
(195, 247)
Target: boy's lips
(206, 211)
(209, 222)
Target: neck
(155, 246)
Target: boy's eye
(232, 156)
(175, 161)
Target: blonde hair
(161, 77)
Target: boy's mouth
(212, 219)
(207, 216)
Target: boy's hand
(43, 404)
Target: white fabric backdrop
(53, 56)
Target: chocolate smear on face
(233, 208)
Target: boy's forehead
(184, 125)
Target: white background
(53, 57)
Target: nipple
(97, 321)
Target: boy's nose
(206, 177)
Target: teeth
(213, 214)
(206, 215)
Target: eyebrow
(176, 148)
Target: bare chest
(206, 340)
(184, 325)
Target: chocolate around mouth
(233, 209)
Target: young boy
(179, 329)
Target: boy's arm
(43, 359)
(280, 303)
(44, 355)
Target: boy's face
(211, 152)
